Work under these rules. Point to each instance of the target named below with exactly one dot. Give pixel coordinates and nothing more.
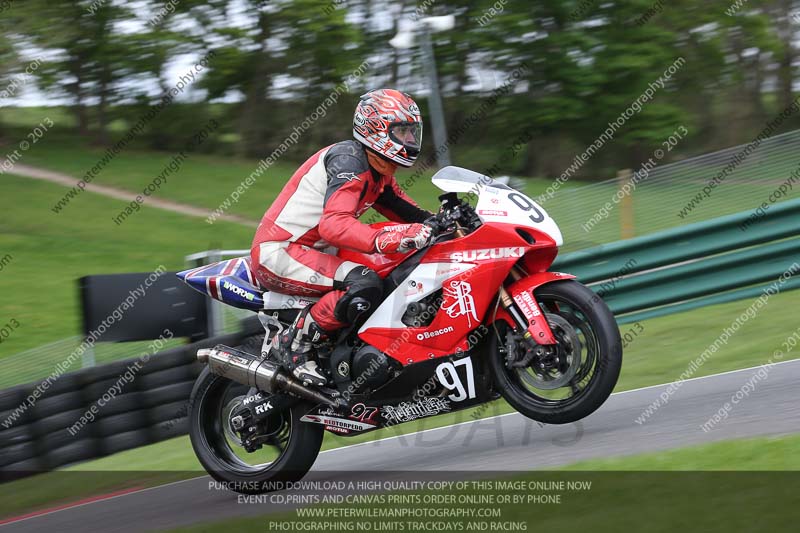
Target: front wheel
(568, 381)
(289, 446)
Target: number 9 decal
(524, 203)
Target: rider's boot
(299, 343)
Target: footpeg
(310, 374)
(273, 329)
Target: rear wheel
(288, 447)
(568, 381)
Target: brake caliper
(258, 417)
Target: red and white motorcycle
(473, 317)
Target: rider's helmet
(389, 123)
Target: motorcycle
(473, 317)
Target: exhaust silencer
(264, 375)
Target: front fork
(531, 320)
(527, 314)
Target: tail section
(229, 281)
(232, 282)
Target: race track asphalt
(504, 443)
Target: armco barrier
(692, 266)
(682, 244)
(715, 275)
(151, 408)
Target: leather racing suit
(316, 212)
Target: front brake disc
(542, 375)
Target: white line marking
(516, 413)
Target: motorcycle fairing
(400, 401)
(469, 271)
(497, 202)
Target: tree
(8, 60)
(92, 58)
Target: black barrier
(47, 433)
(161, 302)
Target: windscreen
(457, 179)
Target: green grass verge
(641, 500)
(755, 454)
(206, 181)
(203, 180)
(56, 488)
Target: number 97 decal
(449, 378)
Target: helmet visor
(409, 134)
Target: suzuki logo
(489, 253)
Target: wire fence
(679, 193)
(38, 363)
(665, 197)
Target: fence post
(87, 358)
(626, 230)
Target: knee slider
(364, 290)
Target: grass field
(50, 252)
(764, 454)
(202, 180)
(761, 454)
(206, 181)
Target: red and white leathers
(316, 212)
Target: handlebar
(454, 214)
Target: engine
(369, 369)
(420, 314)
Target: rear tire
(225, 463)
(601, 339)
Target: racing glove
(401, 238)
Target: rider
(317, 211)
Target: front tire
(580, 373)
(286, 457)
